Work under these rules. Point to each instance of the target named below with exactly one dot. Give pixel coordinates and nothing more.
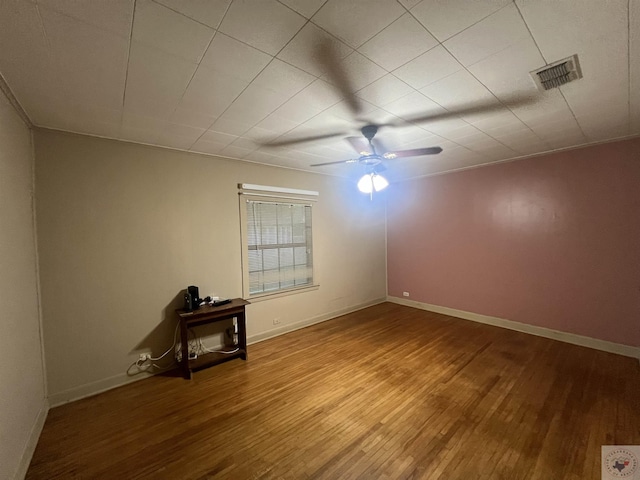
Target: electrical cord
(194, 345)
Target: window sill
(282, 293)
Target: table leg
(242, 335)
(184, 348)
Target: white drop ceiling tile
(459, 90)
(489, 36)
(114, 16)
(409, 3)
(230, 126)
(360, 70)
(343, 111)
(264, 24)
(506, 73)
(260, 135)
(306, 8)
(254, 104)
(156, 81)
(562, 29)
(283, 78)
(276, 123)
(211, 92)
(191, 118)
(218, 137)
(235, 152)
(246, 143)
(90, 64)
(566, 142)
(262, 157)
(471, 139)
(297, 111)
(175, 141)
(202, 146)
(414, 105)
(305, 50)
(139, 135)
(385, 90)
(549, 105)
(325, 123)
(609, 106)
(402, 136)
(455, 131)
(131, 121)
(159, 27)
(446, 18)
(185, 131)
(319, 94)
(606, 127)
(428, 68)
(448, 126)
(209, 12)
(552, 130)
(495, 152)
(180, 136)
(357, 21)
(234, 58)
(399, 43)
(495, 118)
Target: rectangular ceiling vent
(558, 73)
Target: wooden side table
(208, 314)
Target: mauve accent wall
(551, 241)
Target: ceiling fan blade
(294, 141)
(416, 152)
(330, 60)
(379, 146)
(477, 107)
(360, 145)
(351, 160)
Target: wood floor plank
(385, 392)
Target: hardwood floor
(388, 392)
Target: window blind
(279, 244)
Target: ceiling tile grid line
(126, 74)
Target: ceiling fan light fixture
(372, 182)
(379, 182)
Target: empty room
(320, 239)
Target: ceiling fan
(373, 153)
(372, 156)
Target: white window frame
(272, 197)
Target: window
(278, 253)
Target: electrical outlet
(405, 294)
(276, 321)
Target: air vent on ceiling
(558, 73)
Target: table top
(209, 310)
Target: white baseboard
(611, 347)
(94, 388)
(32, 441)
(259, 337)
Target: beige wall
(123, 228)
(23, 406)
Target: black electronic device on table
(217, 303)
(192, 298)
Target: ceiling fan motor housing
(369, 131)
